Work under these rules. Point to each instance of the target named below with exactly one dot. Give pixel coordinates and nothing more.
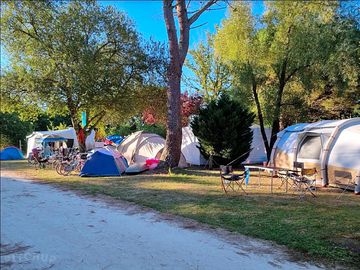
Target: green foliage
(223, 128)
(5, 141)
(301, 56)
(212, 77)
(73, 56)
(13, 129)
(136, 124)
(47, 122)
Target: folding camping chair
(231, 181)
(304, 180)
(39, 160)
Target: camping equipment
(140, 146)
(231, 181)
(303, 180)
(152, 163)
(37, 137)
(104, 162)
(11, 153)
(136, 168)
(330, 146)
(190, 148)
(113, 139)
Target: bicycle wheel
(58, 168)
(67, 169)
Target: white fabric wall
(258, 152)
(189, 147)
(149, 147)
(346, 150)
(128, 146)
(140, 146)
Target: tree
(223, 128)
(13, 129)
(238, 44)
(292, 38)
(212, 76)
(178, 49)
(72, 56)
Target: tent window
(310, 148)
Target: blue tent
(104, 163)
(117, 139)
(11, 153)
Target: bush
(223, 128)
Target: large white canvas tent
(331, 146)
(189, 148)
(37, 137)
(258, 150)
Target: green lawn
(323, 229)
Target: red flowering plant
(190, 104)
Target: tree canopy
(287, 59)
(211, 77)
(74, 56)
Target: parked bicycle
(73, 164)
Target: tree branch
(194, 17)
(197, 26)
(184, 29)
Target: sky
(149, 20)
(147, 17)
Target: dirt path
(44, 228)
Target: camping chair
(284, 177)
(304, 180)
(38, 158)
(230, 181)
(346, 176)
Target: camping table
(273, 170)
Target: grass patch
(323, 229)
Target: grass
(323, 229)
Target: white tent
(189, 147)
(36, 138)
(331, 146)
(139, 146)
(258, 152)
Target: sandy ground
(45, 228)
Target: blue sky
(148, 19)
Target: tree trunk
(261, 119)
(276, 120)
(178, 51)
(172, 151)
